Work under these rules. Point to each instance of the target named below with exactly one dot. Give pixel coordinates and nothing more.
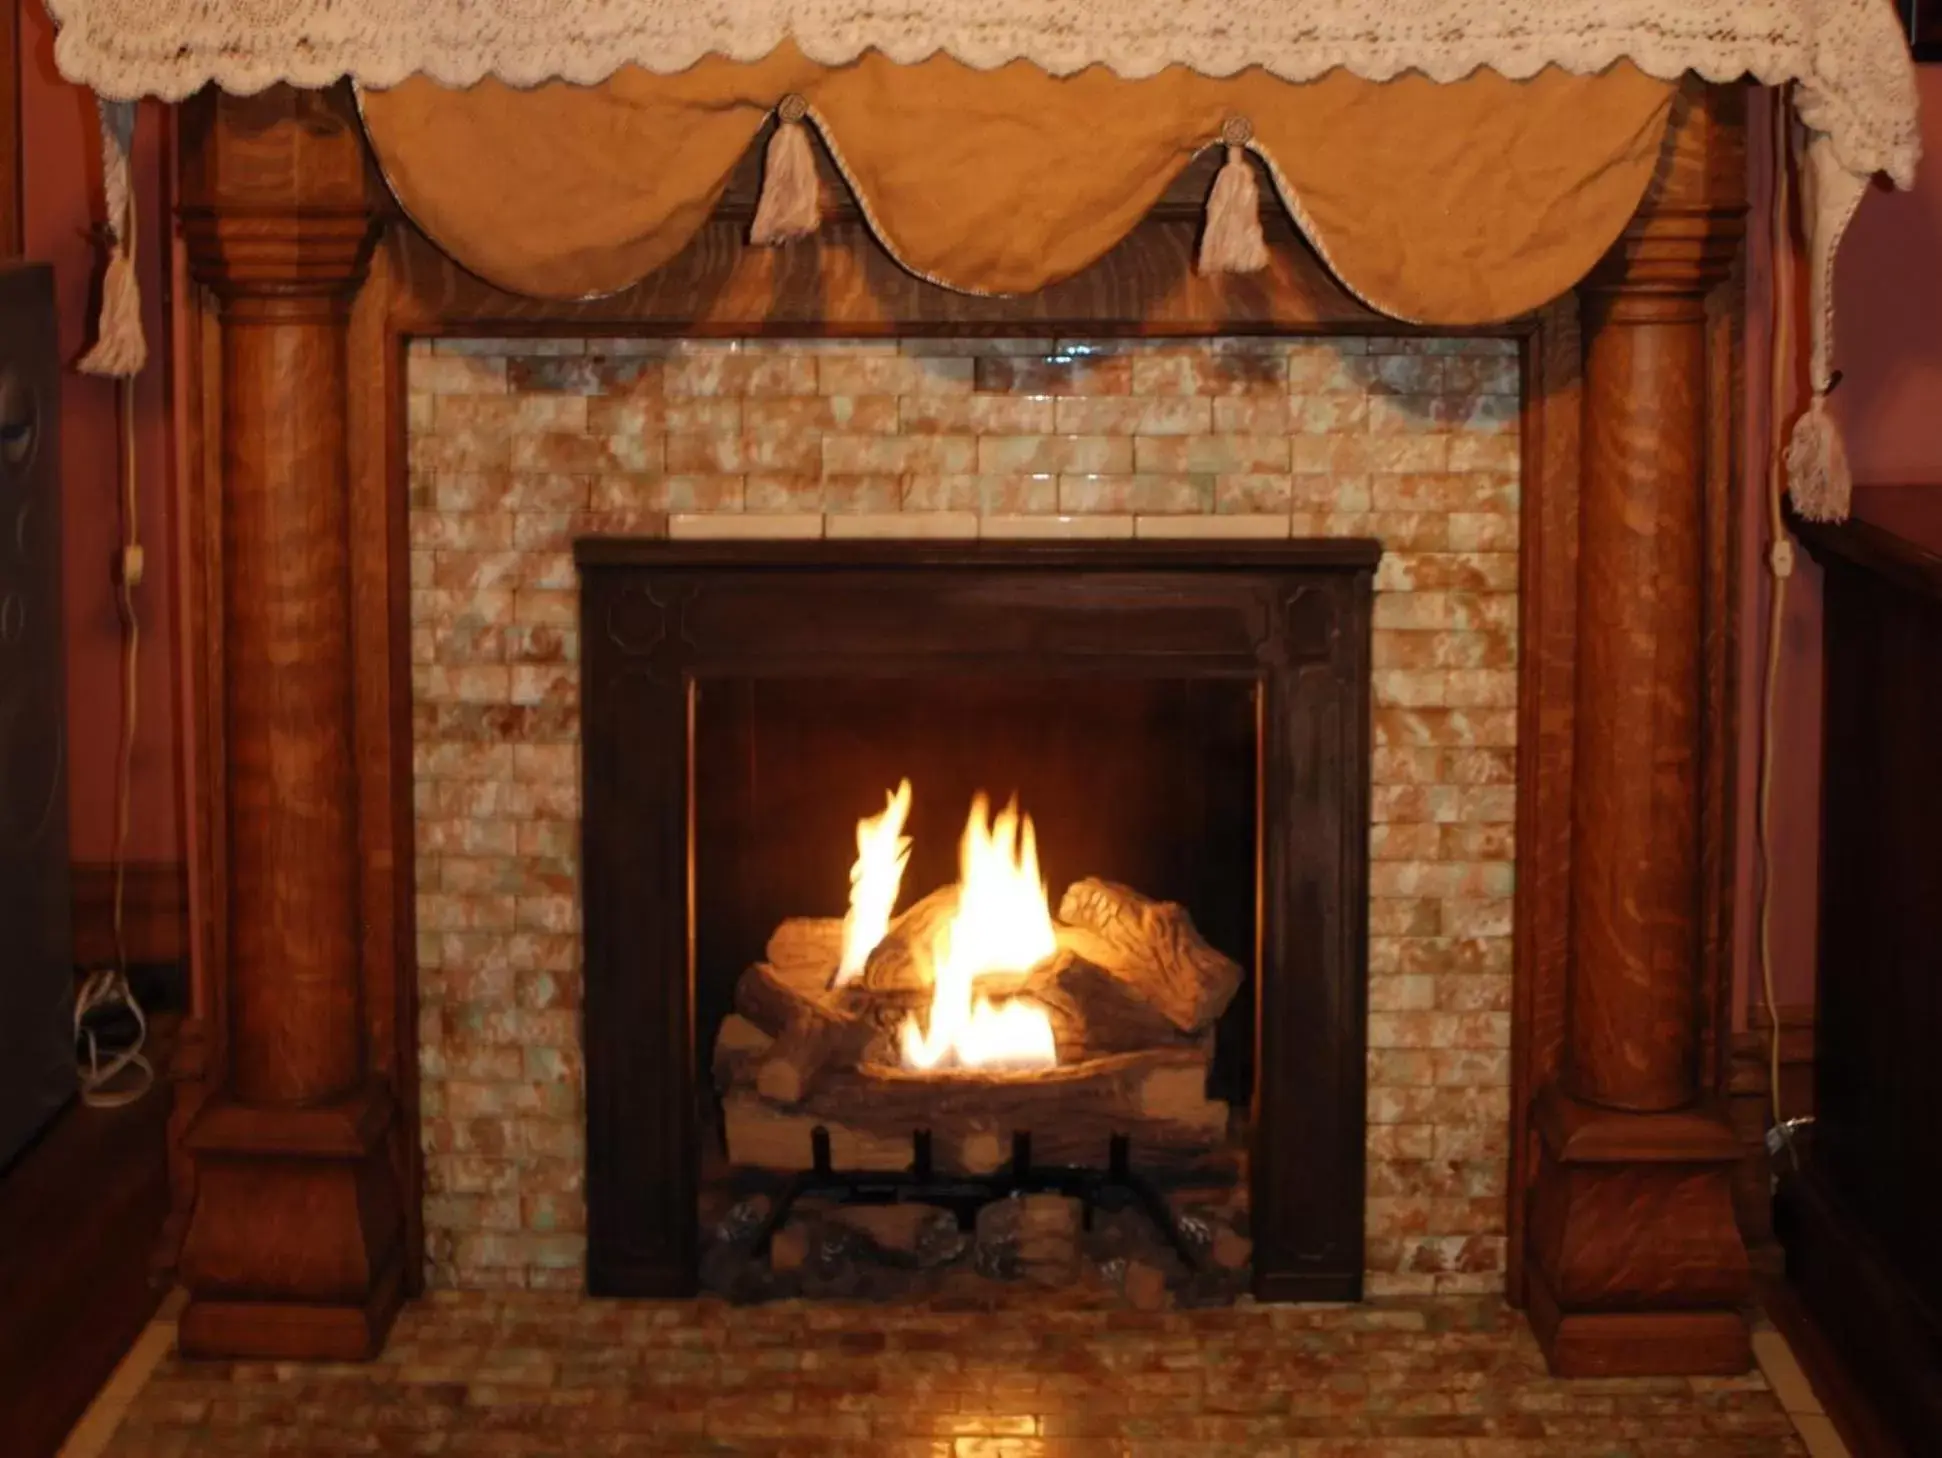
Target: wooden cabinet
(1862, 1217)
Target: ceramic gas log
(1128, 994)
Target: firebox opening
(935, 813)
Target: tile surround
(515, 1374)
(519, 445)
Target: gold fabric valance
(1451, 204)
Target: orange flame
(882, 852)
(1003, 924)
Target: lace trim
(1855, 81)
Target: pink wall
(61, 189)
(1889, 347)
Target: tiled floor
(519, 1376)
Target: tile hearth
(520, 1374)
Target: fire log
(767, 999)
(1158, 1098)
(900, 964)
(805, 951)
(1154, 944)
(1095, 1012)
(740, 1047)
(816, 1037)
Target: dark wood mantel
(298, 1107)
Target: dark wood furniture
(81, 1212)
(664, 624)
(36, 967)
(1859, 1216)
(298, 1093)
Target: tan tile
(1212, 454)
(908, 525)
(1000, 455)
(869, 454)
(1055, 527)
(1133, 415)
(744, 526)
(1062, 372)
(1233, 526)
(1137, 494)
(1014, 494)
(935, 413)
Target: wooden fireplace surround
(296, 1162)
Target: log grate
(1116, 1186)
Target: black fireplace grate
(1117, 1186)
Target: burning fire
(882, 852)
(1003, 924)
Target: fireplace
(385, 1061)
(1189, 729)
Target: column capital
(317, 254)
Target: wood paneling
(10, 181)
(81, 1212)
(154, 918)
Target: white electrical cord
(102, 1084)
(1780, 565)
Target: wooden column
(294, 1245)
(1634, 1262)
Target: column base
(1633, 1261)
(295, 1247)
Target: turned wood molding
(1629, 400)
(1635, 1262)
(295, 1242)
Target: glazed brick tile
(1058, 373)
(1212, 454)
(894, 374)
(520, 1373)
(986, 414)
(886, 455)
(1188, 370)
(724, 371)
(1014, 455)
(852, 414)
(1015, 493)
(1132, 415)
(1109, 493)
(518, 447)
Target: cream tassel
(1233, 242)
(119, 347)
(1818, 479)
(789, 207)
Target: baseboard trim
(155, 913)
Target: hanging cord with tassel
(790, 206)
(119, 352)
(119, 348)
(1819, 480)
(1233, 242)
(1780, 566)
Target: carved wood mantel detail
(1636, 1264)
(301, 1117)
(294, 1243)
